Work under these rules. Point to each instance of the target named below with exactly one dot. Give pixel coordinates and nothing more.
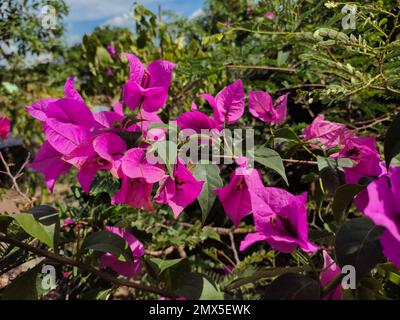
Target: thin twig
(300, 161)
(222, 231)
(233, 246)
(15, 177)
(266, 68)
(160, 253)
(68, 261)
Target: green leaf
(210, 174)
(293, 286)
(392, 141)
(358, 244)
(49, 217)
(287, 133)
(108, 242)
(282, 58)
(272, 160)
(168, 152)
(196, 286)
(167, 271)
(24, 287)
(331, 171)
(262, 274)
(10, 87)
(343, 198)
(160, 265)
(34, 228)
(103, 57)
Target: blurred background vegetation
(352, 76)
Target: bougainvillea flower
(49, 162)
(127, 269)
(235, 197)
(147, 87)
(111, 50)
(325, 133)
(197, 121)
(329, 272)
(5, 126)
(108, 119)
(135, 193)
(69, 123)
(261, 106)
(103, 152)
(69, 222)
(180, 191)
(280, 219)
(365, 156)
(111, 147)
(135, 165)
(38, 109)
(70, 90)
(228, 104)
(145, 119)
(380, 201)
(270, 15)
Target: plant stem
(68, 261)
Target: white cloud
(123, 20)
(199, 12)
(90, 10)
(74, 38)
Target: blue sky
(85, 15)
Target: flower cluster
(91, 142)
(380, 201)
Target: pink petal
(281, 109)
(330, 271)
(250, 239)
(135, 193)
(5, 126)
(261, 105)
(108, 118)
(230, 103)
(109, 146)
(38, 109)
(135, 165)
(179, 192)
(160, 73)
(391, 248)
(379, 203)
(235, 197)
(71, 92)
(136, 68)
(197, 121)
(48, 162)
(65, 137)
(132, 94)
(154, 98)
(127, 269)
